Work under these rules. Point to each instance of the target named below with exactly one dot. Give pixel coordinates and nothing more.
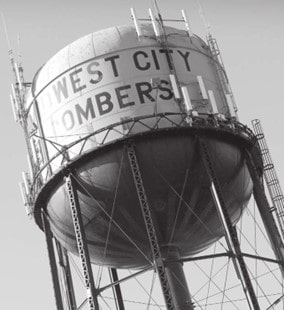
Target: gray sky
(250, 36)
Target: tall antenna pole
(205, 21)
(18, 100)
(10, 51)
(228, 96)
(156, 7)
(5, 30)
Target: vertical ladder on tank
(270, 176)
(220, 69)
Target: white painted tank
(105, 77)
(101, 80)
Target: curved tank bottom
(177, 189)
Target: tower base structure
(165, 260)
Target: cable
(191, 210)
(151, 290)
(115, 223)
(211, 280)
(112, 211)
(178, 210)
(211, 272)
(225, 284)
(143, 288)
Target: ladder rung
(259, 136)
(278, 198)
(264, 151)
(273, 182)
(281, 213)
(268, 166)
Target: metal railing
(125, 129)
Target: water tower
(138, 160)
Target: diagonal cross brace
(230, 230)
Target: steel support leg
(230, 231)
(156, 253)
(176, 278)
(116, 289)
(265, 213)
(81, 242)
(67, 276)
(52, 262)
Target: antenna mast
(205, 21)
(18, 100)
(219, 66)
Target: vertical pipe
(64, 263)
(52, 262)
(177, 281)
(116, 289)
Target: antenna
(6, 32)
(156, 8)
(10, 51)
(155, 26)
(11, 55)
(206, 23)
(159, 18)
(21, 71)
(187, 24)
(19, 50)
(136, 23)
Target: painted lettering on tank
(98, 75)
(97, 72)
(185, 58)
(105, 103)
(117, 83)
(60, 89)
(85, 113)
(123, 98)
(140, 62)
(154, 59)
(76, 81)
(112, 60)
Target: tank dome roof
(107, 41)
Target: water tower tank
(113, 87)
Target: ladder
(220, 70)
(270, 176)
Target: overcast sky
(250, 34)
